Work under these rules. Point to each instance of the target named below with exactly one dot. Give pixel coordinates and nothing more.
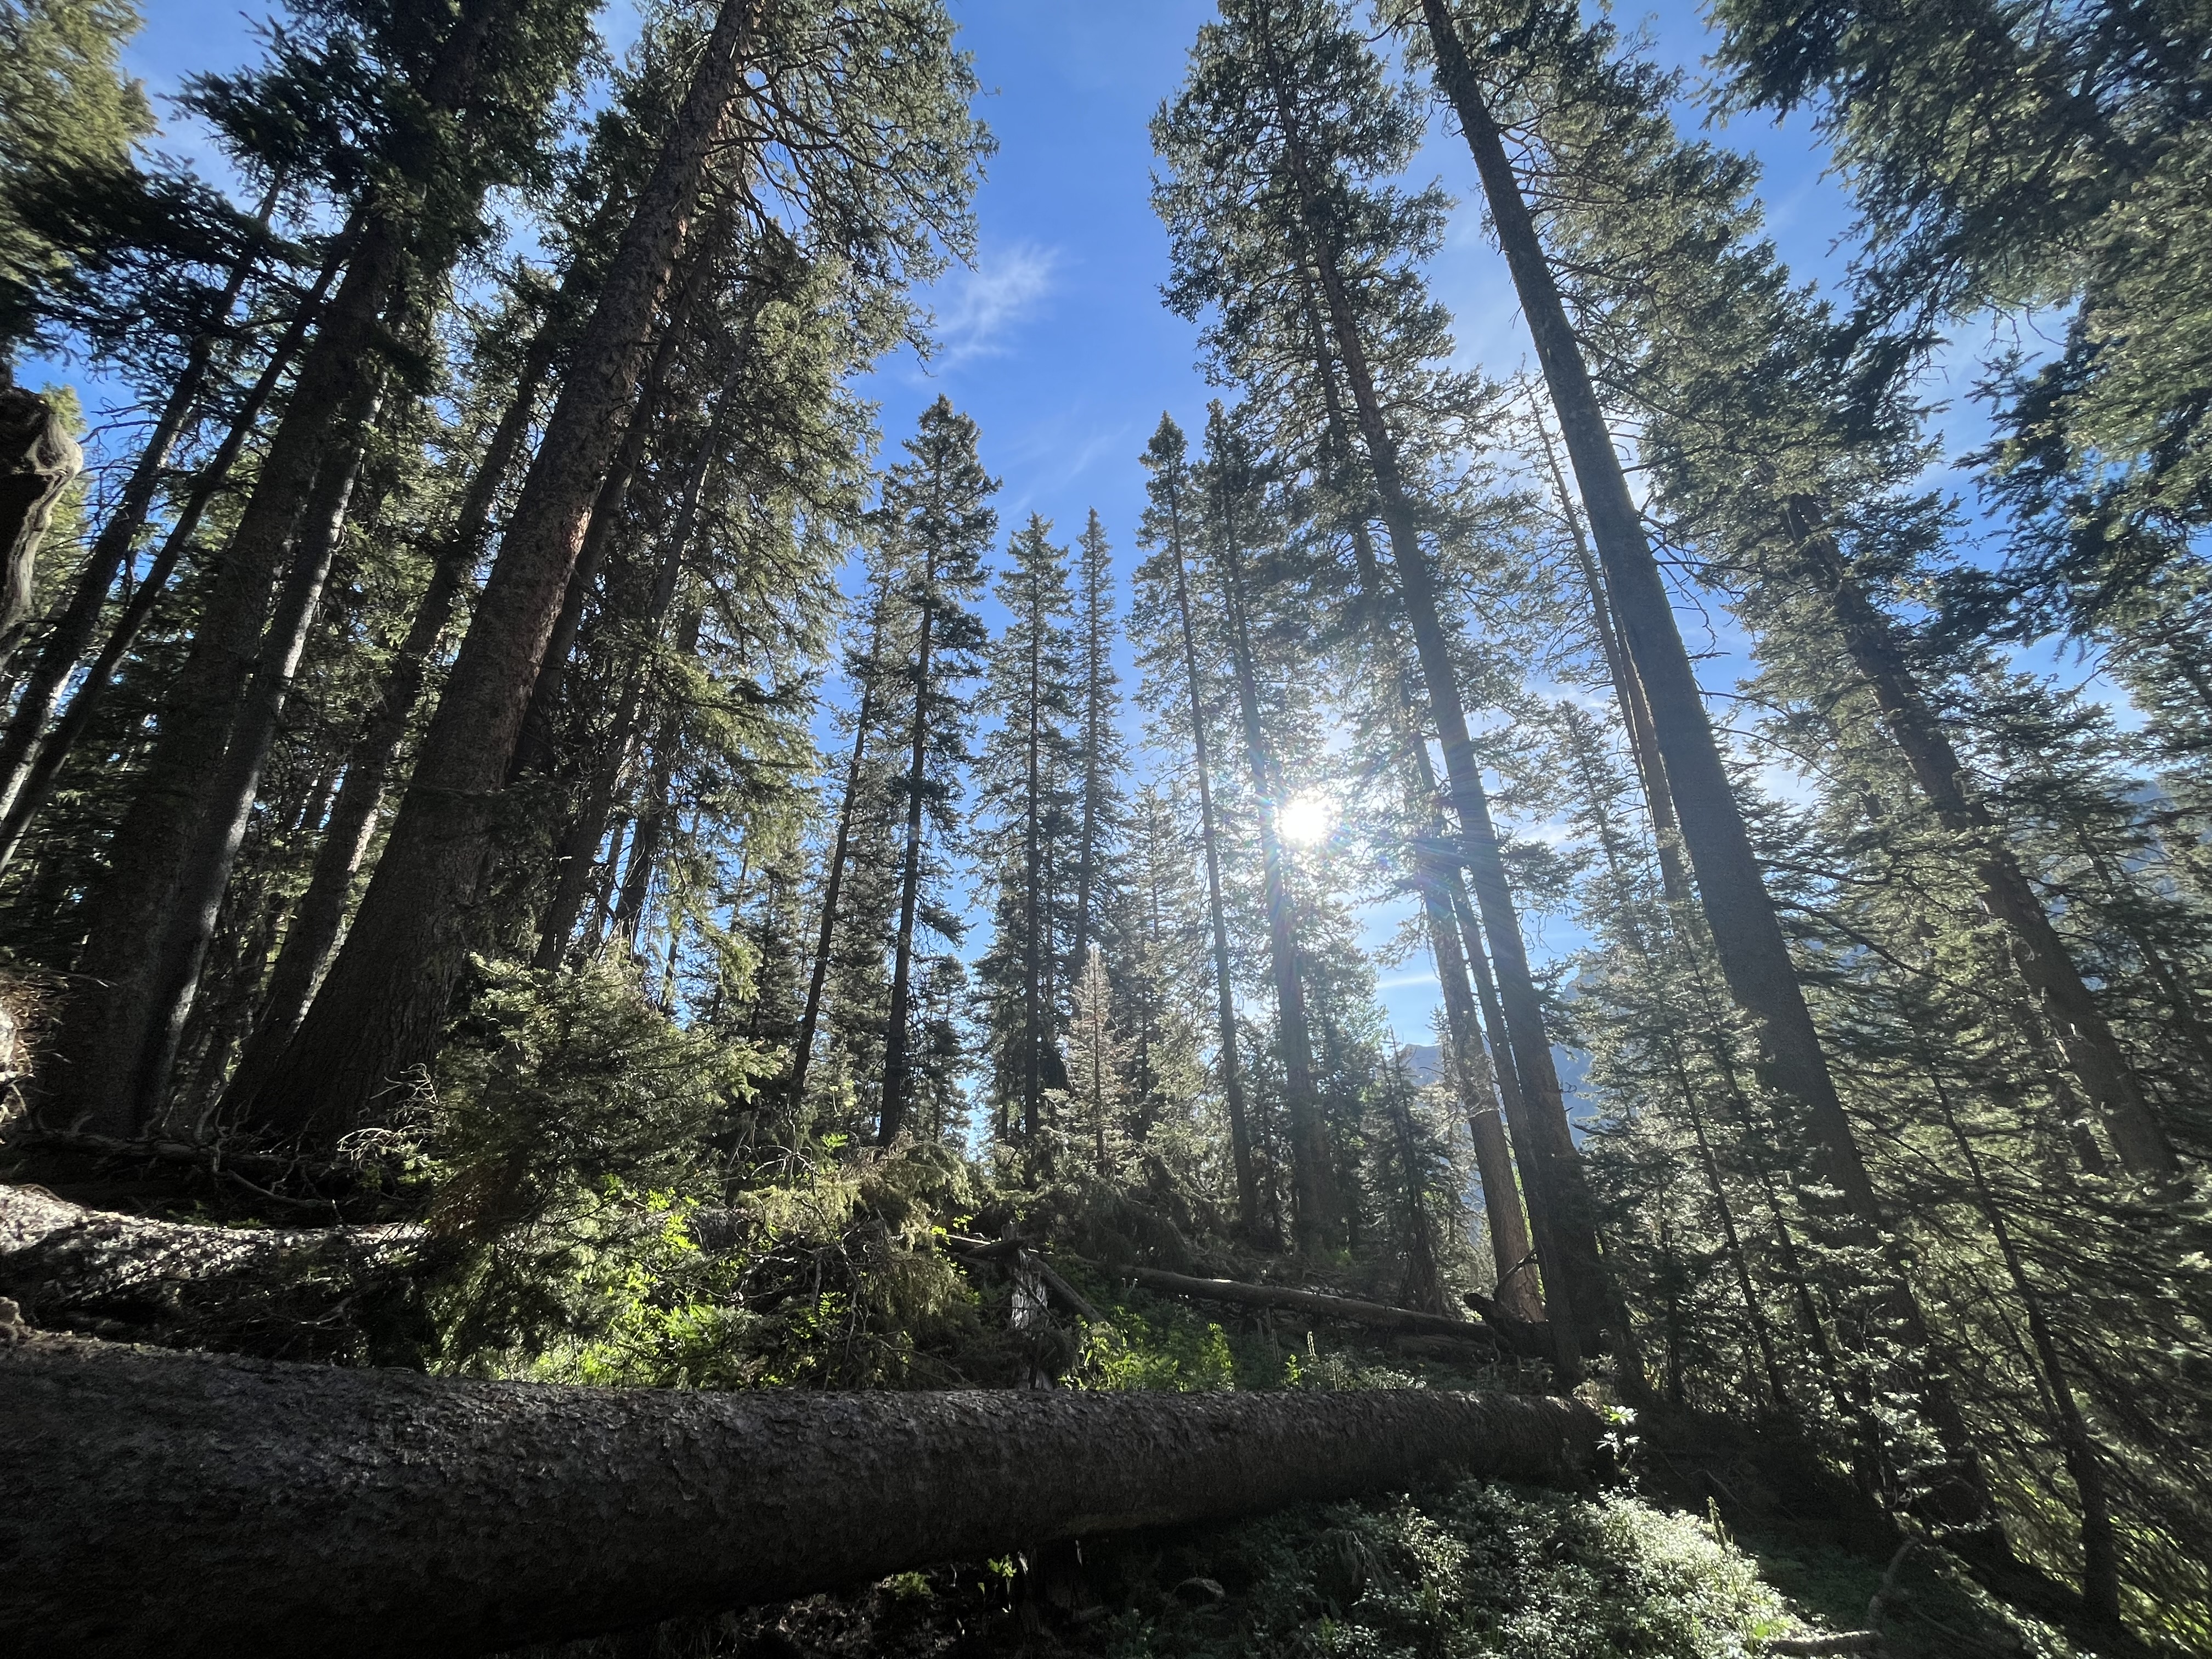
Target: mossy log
(184, 1505)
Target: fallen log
(187, 1504)
(1316, 1302)
(351, 1294)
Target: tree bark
(379, 1014)
(329, 1295)
(320, 913)
(184, 1505)
(28, 764)
(533, 748)
(226, 802)
(1628, 693)
(38, 459)
(580, 846)
(113, 993)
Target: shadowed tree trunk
(1097, 664)
(1754, 958)
(98, 1046)
(1628, 693)
(1315, 1218)
(380, 1011)
(579, 845)
(1572, 1217)
(317, 918)
(833, 881)
(2093, 1053)
(1748, 938)
(1232, 1080)
(891, 1117)
(188, 1505)
(1437, 879)
(533, 750)
(339, 1295)
(226, 803)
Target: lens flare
(1306, 820)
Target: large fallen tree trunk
(1381, 1315)
(185, 1505)
(351, 1294)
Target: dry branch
(185, 1505)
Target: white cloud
(979, 306)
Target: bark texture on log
(331, 1293)
(185, 1505)
(1320, 1304)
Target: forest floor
(1474, 1571)
(1709, 1537)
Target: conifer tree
(380, 1008)
(1029, 780)
(1103, 760)
(1251, 198)
(1165, 621)
(937, 524)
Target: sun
(1307, 819)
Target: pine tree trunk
(1315, 1219)
(1755, 957)
(188, 1505)
(2100, 1570)
(802, 1051)
(1437, 880)
(1033, 1038)
(1095, 667)
(1628, 693)
(1762, 1333)
(1531, 1148)
(1565, 1193)
(226, 803)
(320, 913)
(28, 764)
(1232, 1080)
(2093, 1052)
(891, 1117)
(533, 750)
(580, 846)
(98, 1048)
(380, 1011)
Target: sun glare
(1307, 819)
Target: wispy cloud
(979, 306)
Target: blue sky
(1055, 340)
